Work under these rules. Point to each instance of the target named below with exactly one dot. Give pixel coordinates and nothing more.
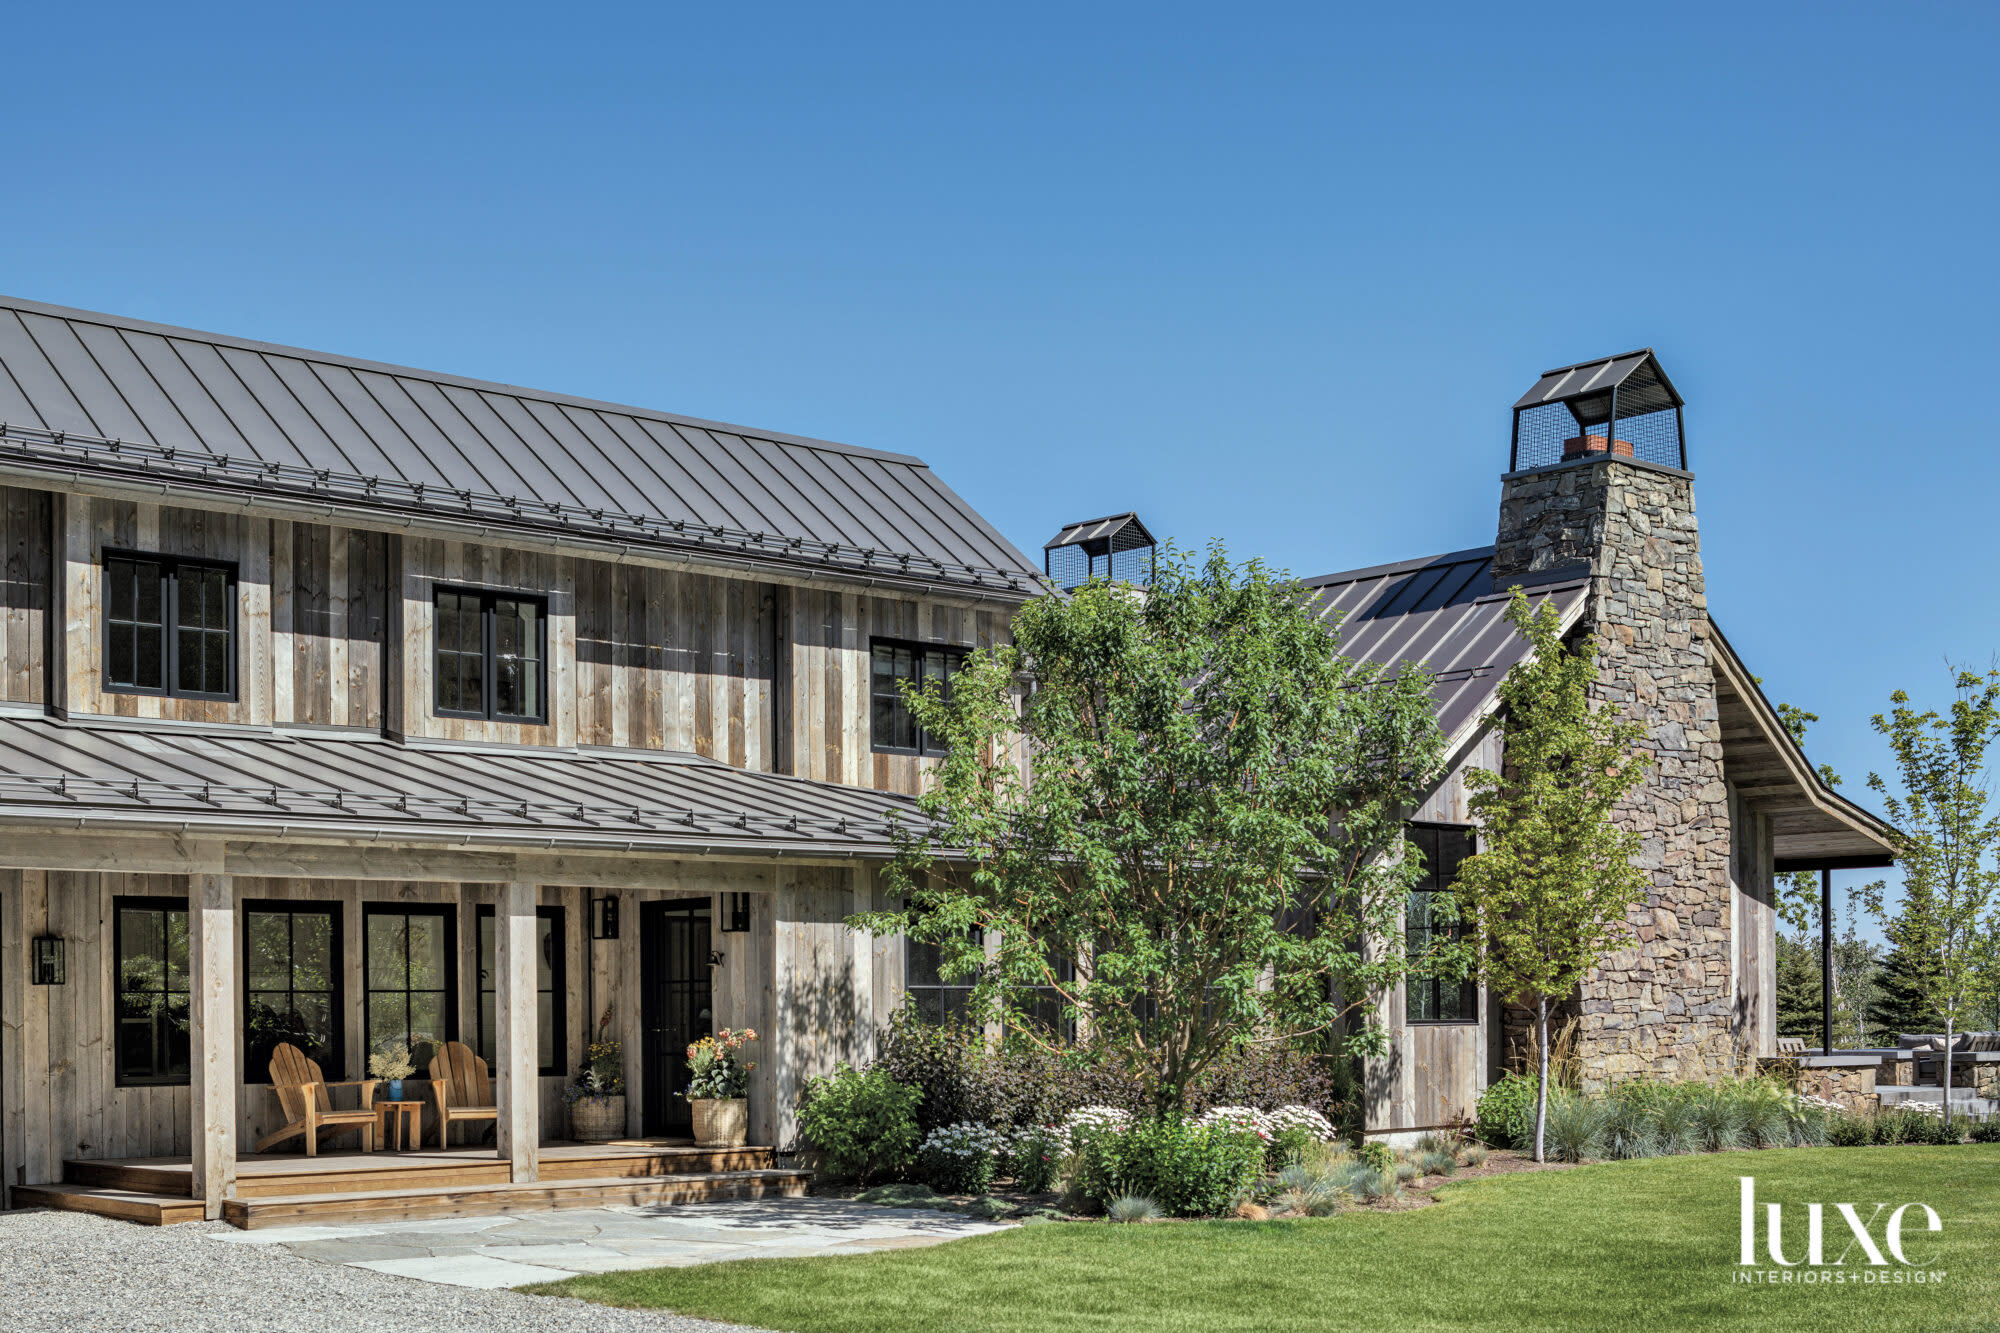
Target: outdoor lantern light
(735, 913)
(715, 958)
(48, 968)
(604, 918)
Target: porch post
(518, 1082)
(212, 1038)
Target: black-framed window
(551, 1013)
(1437, 999)
(150, 942)
(169, 626)
(893, 728)
(410, 972)
(291, 985)
(936, 998)
(491, 658)
(1044, 1006)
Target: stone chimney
(1624, 518)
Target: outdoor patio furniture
(400, 1125)
(462, 1087)
(309, 1111)
(1791, 1046)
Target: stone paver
(516, 1250)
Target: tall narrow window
(937, 999)
(150, 939)
(410, 970)
(1437, 999)
(490, 655)
(893, 728)
(551, 1019)
(291, 984)
(169, 627)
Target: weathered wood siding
(1754, 922)
(90, 527)
(827, 641)
(330, 593)
(1434, 1072)
(24, 593)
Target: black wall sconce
(604, 918)
(49, 967)
(735, 913)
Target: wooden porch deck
(275, 1189)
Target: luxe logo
(1859, 1234)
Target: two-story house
(346, 705)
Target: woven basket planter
(597, 1119)
(721, 1122)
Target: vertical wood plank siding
(24, 592)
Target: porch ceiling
(1812, 825)
(190, 778)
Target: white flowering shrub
(1300, 1118)
(1080, 1124)
(1246, 1118)
(1034, 1157)
(962, 1158)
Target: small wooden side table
(401, 1121)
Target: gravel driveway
(74, 1273)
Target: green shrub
(1986, 1131)
(1849, 1130)
(1507, 1112)
(1378, 1156)
(1189, 1170)
(1035, 1158)
(1719, 1119)
(1631, 1125)
(1892, 1127)
(1287, 1146)
(863, 1125)
(1437, 1163)
(961, 1159)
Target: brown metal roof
(1444, 612)
(99, 393)
(178, 775)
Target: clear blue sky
(1265, 274)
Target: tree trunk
(1542, 1082)
(1950, 1019)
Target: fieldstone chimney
(1624, 517)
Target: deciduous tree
(1549, 892)
(1171, 876)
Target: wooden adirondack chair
(462, 1087)
(302, 1095)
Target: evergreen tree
(1798, 998)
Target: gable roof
(1441, 611)
(81, 391)
(1444, 612)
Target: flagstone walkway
(513, 1251)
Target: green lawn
(1629, 1246)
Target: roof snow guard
(173, 409)
(1117, 547)
(1617, 406)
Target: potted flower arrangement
(391, 1063)
(597, 1096)
(719, 1090)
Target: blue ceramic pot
(395, 1090)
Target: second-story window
(491, 649)
(892, 727)
(169, 627)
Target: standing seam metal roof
(1443, 612)
(98, 392)
(303, 782)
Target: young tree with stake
(1945, 842)
(1550, 890)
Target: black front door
(674, 1006)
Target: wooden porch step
(385, 1172)
(130, 1205)
(477, 1200)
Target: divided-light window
(893, 728)
(169, 627)
(491, 657)
(1437, 999)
